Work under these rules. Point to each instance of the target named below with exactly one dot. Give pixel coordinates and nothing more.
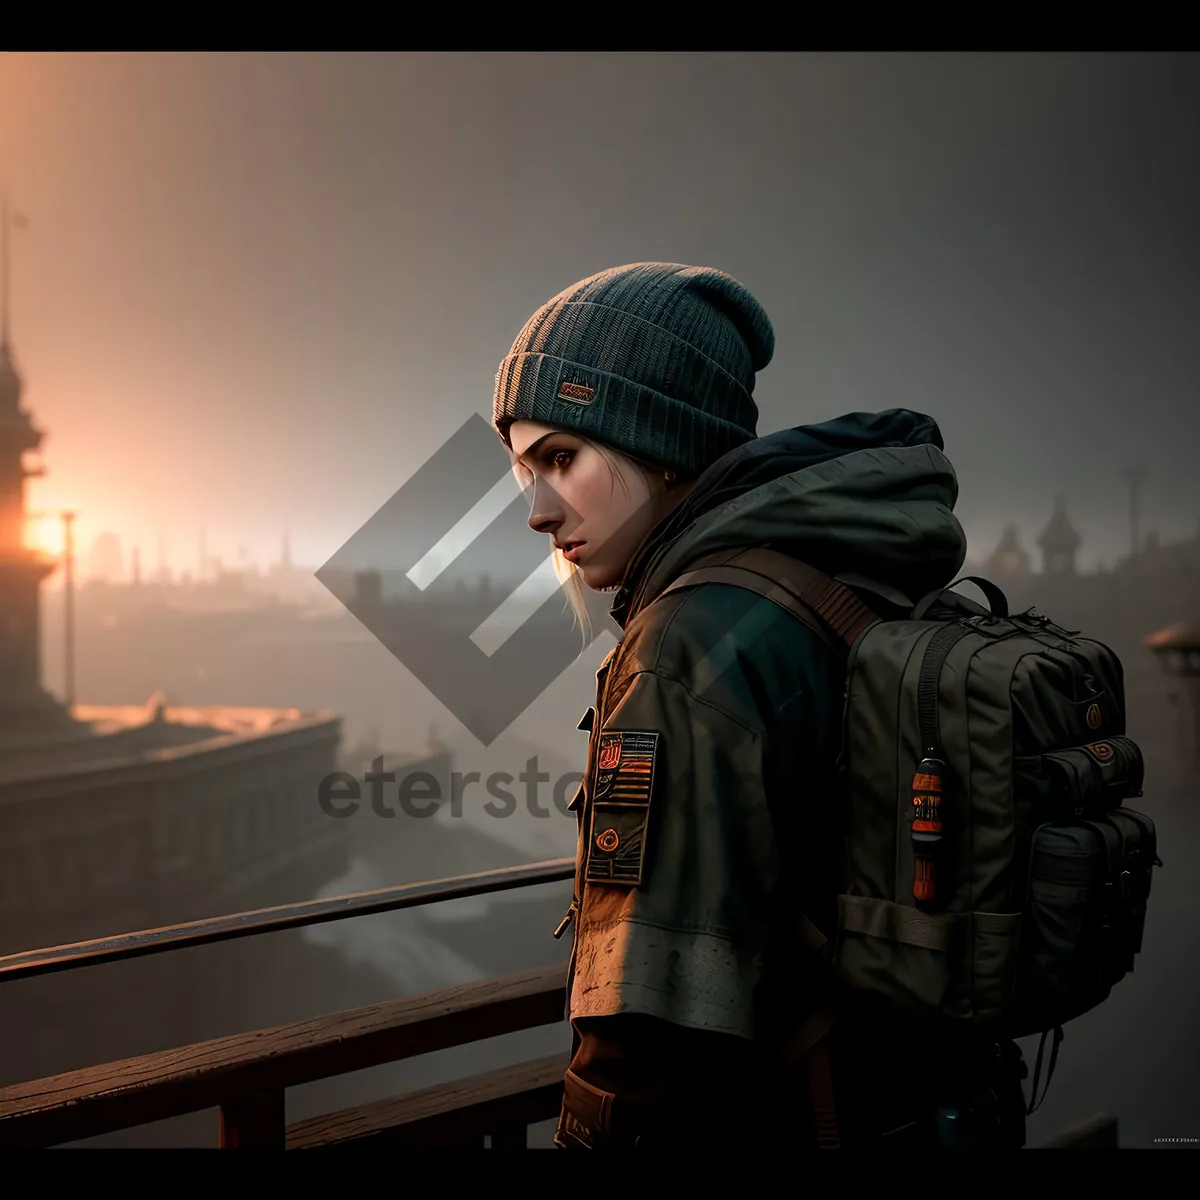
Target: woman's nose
(544, 522)
(545, 515)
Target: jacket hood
(869, 495)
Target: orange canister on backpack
(927, 827)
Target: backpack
(993, 878)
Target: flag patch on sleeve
(620, 811)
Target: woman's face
(596, 519)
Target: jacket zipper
(565, 923)
(571, 913)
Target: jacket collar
(629, 598)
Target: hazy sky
(259, 291)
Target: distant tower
(136, 564)
(1059, 542)
(1009, 560)
(25, 706)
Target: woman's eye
(560, 459)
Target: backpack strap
(837, 615)
(832, 610)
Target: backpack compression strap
(837, 615)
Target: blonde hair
(565, 570)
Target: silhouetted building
(1009, 561)
(119, 818)
(26, 708)
(1059, 542)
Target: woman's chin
(598, 578)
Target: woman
(708, 837)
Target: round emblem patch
(1102, 750)
(607, 841)
(1093, 716)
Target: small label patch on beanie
(577, 393)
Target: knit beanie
(653, 359)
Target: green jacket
(687, 892)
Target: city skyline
(257, 291)
(180, 564)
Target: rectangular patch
(620, 810)
(577, 393)
(625, 767)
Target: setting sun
(45, 534)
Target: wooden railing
(246, 1076)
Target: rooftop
(1185, 635)
(126, 735)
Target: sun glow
(46, 535)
